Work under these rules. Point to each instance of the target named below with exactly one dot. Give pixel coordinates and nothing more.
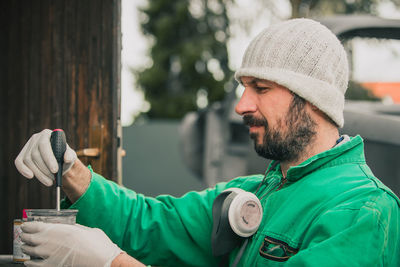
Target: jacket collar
(353, 149)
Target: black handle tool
(59, 145)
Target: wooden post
(60, 68)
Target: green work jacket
(331, 211)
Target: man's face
(279, 121)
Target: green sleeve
(165, 230)
(368, 236)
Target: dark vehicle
(216, 146)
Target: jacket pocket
(276, 250)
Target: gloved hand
(67, 245)
(37, 159)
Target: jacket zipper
(283, 181)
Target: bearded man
(318, 204)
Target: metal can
(18, 255)
(67, 216)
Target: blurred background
(148, 86)
(179, 57)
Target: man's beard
(289, 145)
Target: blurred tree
(189, 54)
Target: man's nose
(247, 103)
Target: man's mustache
(251, 121)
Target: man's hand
(124, 260)
(37, 159)
(67, 245)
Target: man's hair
(299, 101)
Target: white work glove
(67, 245)
(37, 159)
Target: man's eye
(261, 89)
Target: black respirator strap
(223, 239)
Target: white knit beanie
(305, 57)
